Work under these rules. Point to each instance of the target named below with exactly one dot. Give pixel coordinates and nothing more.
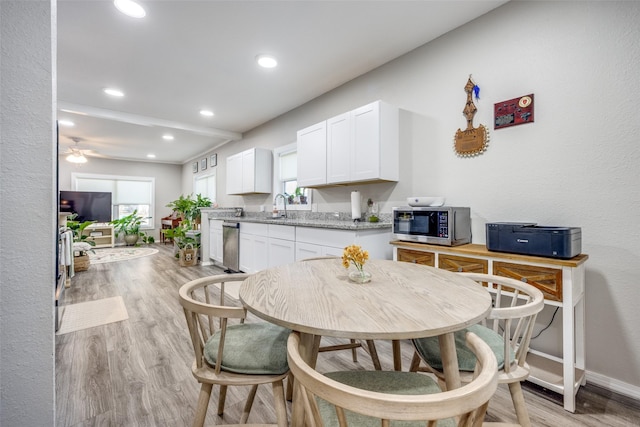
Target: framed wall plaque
(194, 167)
(516, 111)
(203, 164)
(213, 161)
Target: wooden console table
(560, 280)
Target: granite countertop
(333, 220)
(315, 223)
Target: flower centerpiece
(353, 254)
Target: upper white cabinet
(249, 172)
(312, 155)
(358, 146)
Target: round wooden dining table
(402, 301)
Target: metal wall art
(471, 141)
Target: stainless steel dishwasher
(231, 246)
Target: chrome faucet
(284, 202)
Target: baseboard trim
(613, 385)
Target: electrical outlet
(261, 208)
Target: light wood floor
(137, 372)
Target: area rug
(75, 317)
(100, 256)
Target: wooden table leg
(449, 360)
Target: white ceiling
(188, 55)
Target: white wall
(27, 206)
(168, 179)
(577, 165)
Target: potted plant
(81, 243)
(129, 225)
(300, 196)
(186, 243)
(188, 207)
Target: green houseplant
(129, 225)
(81, 243)
(184, 243)
(77, 228)
(188, 207)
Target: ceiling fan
(74, 154)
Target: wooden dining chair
(507, 330)
(375, 398)
(353, 344)
(230, 352)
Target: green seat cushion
(429, 348)
(392, 382)
(251, 348)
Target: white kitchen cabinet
(234, 174)
(282, 244)
(271, 245)
(339, 148)
(249, 172)
(375, 143)
(215, 240)
(310, 250)
(312, 155)
(265, 245)
(359, 146)
(311, 242)
(281, 252)
(254, 249)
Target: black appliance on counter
(531, 239)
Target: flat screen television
(89, 205)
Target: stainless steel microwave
(437, 225)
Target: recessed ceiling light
(206, 113)
(167, 137)
(113, 92)
(151, 156)
(266, 61)
(130, 8)
(66, 123)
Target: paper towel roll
(356, 210)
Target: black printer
(531, 239)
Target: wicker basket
(188, 256)
(81, 263)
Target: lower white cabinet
(271, 245)
(310, 250)
(312, 242)
(265, 245)
(281, 252)
(254, 250)
(215, 239)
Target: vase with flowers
(354, 254)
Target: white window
(128, 193)
(205, 185)
(285, 161)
